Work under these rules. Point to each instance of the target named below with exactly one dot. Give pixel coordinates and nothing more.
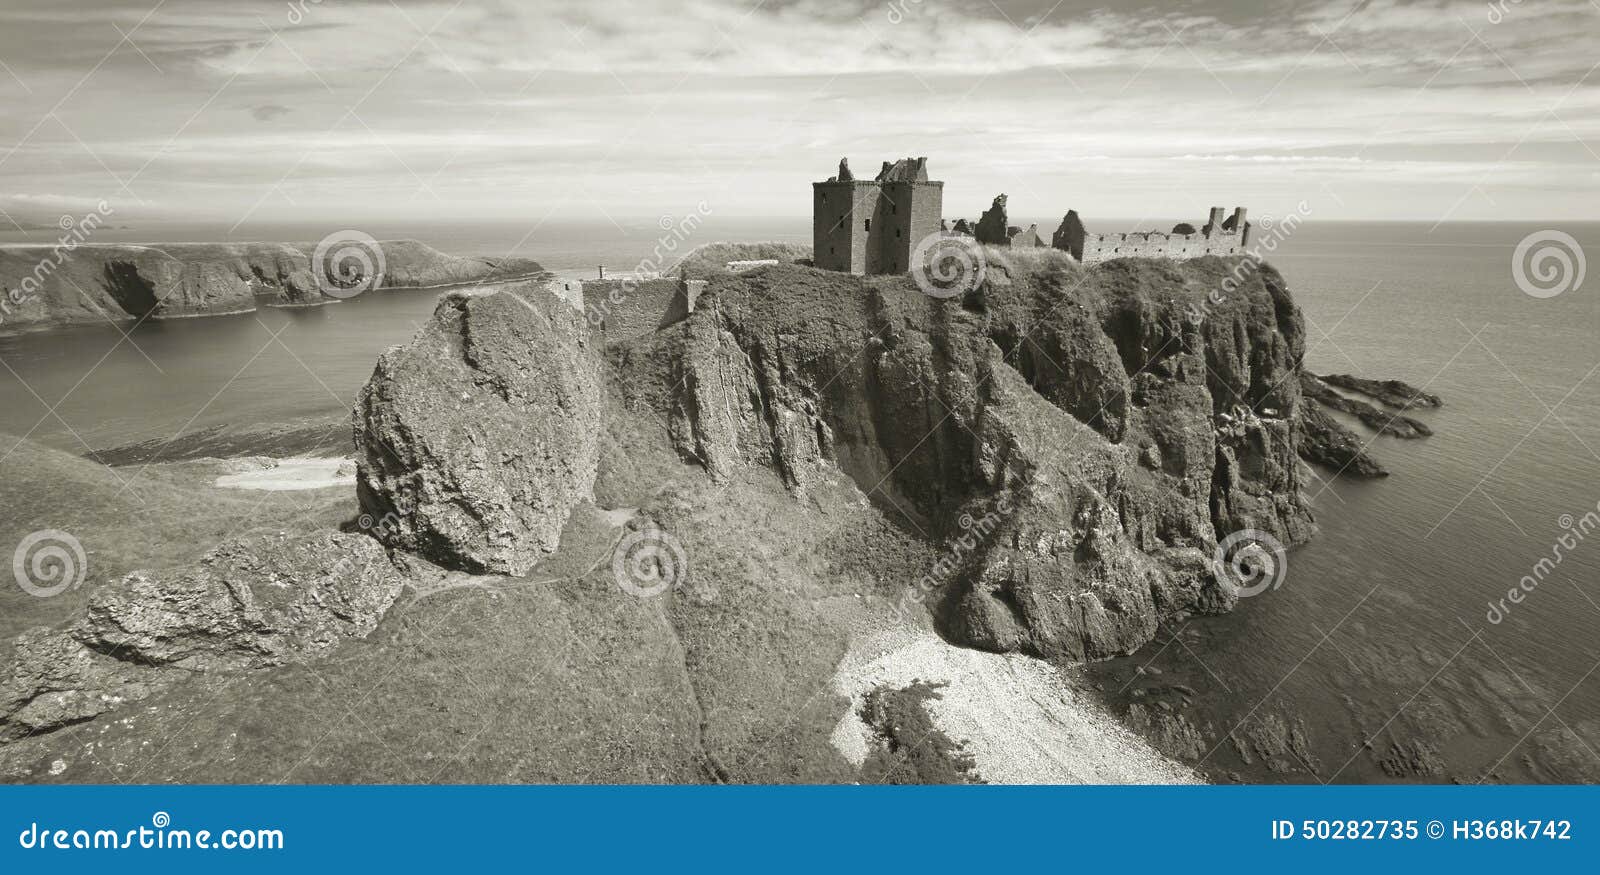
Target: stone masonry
(872, 227)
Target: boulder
(475, 440)
(247, 604)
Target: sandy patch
(1022, 720)
(282, 475)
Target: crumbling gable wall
(993, 227)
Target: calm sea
(1379, 633)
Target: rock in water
(1326, 442)
(475, 440)
(1395, 424)
(248, 604)
(1392, 393)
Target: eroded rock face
(1325, 441)
(248, 604)
(1085, 441)
(475, 440)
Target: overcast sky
(241, 111)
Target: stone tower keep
(871, 227)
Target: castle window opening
(867, 225)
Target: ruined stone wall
(1025, 238)
(907, 212)
(623, 308)
(993, 226)
(840, 213)
(1218, 237)
(1100, 247)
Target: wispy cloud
(630, 108)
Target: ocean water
(1381, 632)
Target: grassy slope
(712, 258)
(166, 516)
(559, 677)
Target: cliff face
(477, 439)
(41, 287)
(1079, 438)
(1091, 441)
(1044, 466)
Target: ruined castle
(1219, 236)
(871, 226)
(874, 226)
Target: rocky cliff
(1091, 442)
(45, 287)
(657, 559)
(478, 438)
(1103, 441)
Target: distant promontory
(50, 286)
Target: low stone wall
(1100, 247)
(624, 308)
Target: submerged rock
(475, 440)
